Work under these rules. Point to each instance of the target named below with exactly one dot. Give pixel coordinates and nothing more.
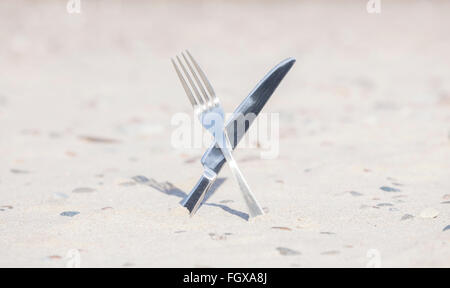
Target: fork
(208, 109)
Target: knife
(213, 158)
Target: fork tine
(199, 84)
(186, 74)
(185, 86)
(203, 76)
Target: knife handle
(193, 201)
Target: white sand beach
(362, 177)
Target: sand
(86, 102)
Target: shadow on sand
(170, 189)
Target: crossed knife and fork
(209, 111)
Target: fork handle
(253, 205)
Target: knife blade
(213, 159)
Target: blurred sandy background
(86, 101)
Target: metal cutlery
(208, 109)
(213, 159)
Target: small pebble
(69, 213)
(282, 228)
(287, 252)
(384, 205)
(356, 194)
(217, 237)
(429, 213)
(107, 208)
(328, 233)
(389, 189)
(406, 217)
(446, 197)
(393, 209)
(446, 228)
(58, 196)
(18, 171)
(4, 207)
(83, 190)
(94, 139)
(55, 257)
(192, 159)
